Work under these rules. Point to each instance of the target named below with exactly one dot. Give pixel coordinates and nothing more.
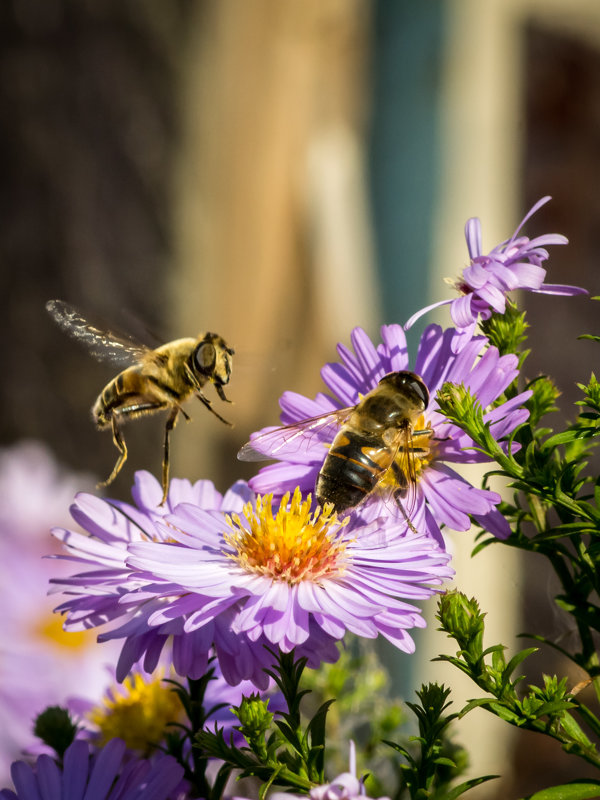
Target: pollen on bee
(412, 460)
(292, 545)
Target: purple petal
(284, 477)
(463, 337)
(530, 213)
(561, 289)
(473, 237)
(494, 522)
(296, 407)
(476, 276)
(527, 276)
(452, 499)
(75, 772)
(368, 359)
(424, 311)
(493, 297)
(105, 768)
(461, 311)
(342, 383)
(394, 342)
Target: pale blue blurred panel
(407, 61)
(403, 148)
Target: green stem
(197, 720)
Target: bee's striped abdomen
(351, 470)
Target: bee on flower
(442, 496)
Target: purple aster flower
(443, 497)
(106, 775)
(291, 579)
(514, 264)
(207, 579)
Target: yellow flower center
(137, 712)
(293, 545)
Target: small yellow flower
(137, 712)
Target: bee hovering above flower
(373, 444)
(154, 380)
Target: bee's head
(212, 358)
(409, 385)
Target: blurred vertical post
(272, 243)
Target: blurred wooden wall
(272, 240)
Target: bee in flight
(155, 380)
(371, 445)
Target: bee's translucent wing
(295, 441)
(103, 345)
(405, 494)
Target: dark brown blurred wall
(561, 157)
(88, 126)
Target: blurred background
(280, 172)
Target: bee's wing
(295, 439)
(103, 345)
(405, 496)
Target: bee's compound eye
(417, 386)
(205, 358)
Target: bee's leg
(422, 432)
(171, 420)
(398, 499)
(198, 386)
(121, 447)
(415, 451)
(221, 393)
(208, 404)
(399, 493)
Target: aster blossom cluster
(221, 606)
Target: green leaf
(553, 707)
(578, 790)
(445, 762)
(571, 435)
(464, 787)
(589, 336)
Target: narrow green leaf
(464, 787)
(578, 790)
(445, 762)
(570, 435)
(553, 707)
(589, 336)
